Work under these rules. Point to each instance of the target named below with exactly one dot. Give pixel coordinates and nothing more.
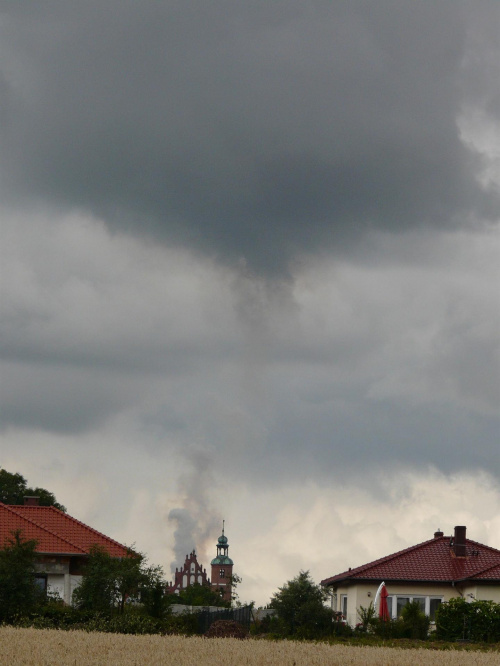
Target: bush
(367, 616)
(185, 624)
(57, 616)
(134, 620)
(476, 621)
(413, 623)
(416, 623)
(128, 623)
(270, 625)
(389, 629)
(226, 629)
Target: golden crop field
(43, 647)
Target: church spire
(222, 567)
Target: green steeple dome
(222, 550)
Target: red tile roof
(430, 561)
(54, 531)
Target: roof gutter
(399, 581)
(59, 554)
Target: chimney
(438, 534)
(31, 501)
(459, 541)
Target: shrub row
(133, 621)
(477, 621)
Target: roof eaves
(59, 553)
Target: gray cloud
(356, 363)
(246, 131)
(59, 399)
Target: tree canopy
(19, 592)
(300, 606)
(108, 582)
(14, 488)
(200, 595)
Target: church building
(192, 571)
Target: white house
(430, 573)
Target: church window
(222, 573)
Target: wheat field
(43, 647)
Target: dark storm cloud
(247, 130)
(57, 400)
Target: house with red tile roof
(63, 543)
(430, 573)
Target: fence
(242, 615)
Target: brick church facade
(190, 573)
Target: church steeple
(222, 567)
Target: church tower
(222, 568)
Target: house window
(421, 603)
(343, 604)
(434, 603)
(428, 605)
(400, 604)
(41, 583)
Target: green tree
(234, 581)
(108, 582)
(415, 621)
(300, 606)
(97, 590)
(14, 488)
(19, 592)
(201, 595)
(152, 593)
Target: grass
(46, 647)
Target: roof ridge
(43, 527)
(79, 522)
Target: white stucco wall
(482, 593)
(55, 585)
(62, 585)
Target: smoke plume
(195, 520)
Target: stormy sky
(250, 270)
